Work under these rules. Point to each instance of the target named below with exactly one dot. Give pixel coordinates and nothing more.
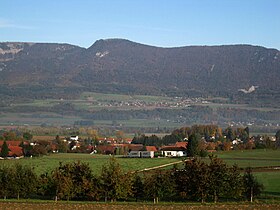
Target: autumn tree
(24, 180)
(219, 176)
(158, 185)
(62, 146)
(72, 180)
(115, 184)
(196, 177)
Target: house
(74, 138)
(134, 154)
(147, 154)
(173, 151)
(181, 144)
(143, 152)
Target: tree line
(194, 181)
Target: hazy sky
(163, 23)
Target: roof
(15, 151)
(106, 148)
(135, 147)
(173, 148)
(181, 144)
(11, 143)
(151, 148)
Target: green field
(258, 158)
(47, 163)
(271, 182)
(253, 158)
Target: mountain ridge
(119, 65)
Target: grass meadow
(253, 158)
(49, 162)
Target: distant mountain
(122, 66)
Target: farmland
(47, 163)
(137, 111)
(257, 159)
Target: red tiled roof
(11, 143)
(105, 148)
(15, 151)
(151, 148)
(181, 144)
(135, 147)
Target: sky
(163, 23)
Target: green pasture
(271, 182)
(47, 163)
(251, 158)
(252, 154)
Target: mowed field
(47, 163)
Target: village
(205, 138)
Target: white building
(174, 152)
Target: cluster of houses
(140, 151)
(176, 150)
(125, 147)
(105, 146)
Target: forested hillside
(122, 66)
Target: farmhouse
(176, 150)
(171, 151)
(144, 152)
(74, 138)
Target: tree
(252, 187)
(137, 187)
(235, 183)
(27, 136)
(193, 181)
(158, 185)
(5, 181)
(72, 180)
(219, 176)
(115, 184)
(24, 180)
(62, 146)
(192, 148)
(4, 150)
